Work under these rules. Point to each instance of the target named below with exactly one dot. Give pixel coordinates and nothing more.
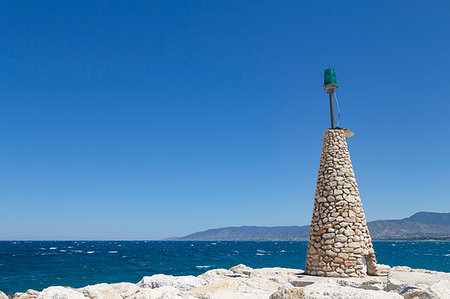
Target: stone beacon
(339, 240)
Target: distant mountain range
(420, 226)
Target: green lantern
(329, 77)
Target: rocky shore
(270, 283)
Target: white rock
(276, 271)
(413, 283)
(110, 291)
(233, 294)
(143, 294)
(169, 296)
(242, 269)
(258, 285)
(402, 269)
(29, 294)
(351, 199)
(183, 283)
(439, 290)
(60, 293)
(328, 235)
(394, 285)
(323, 290)
(3, 295)
(216, 273)
(125, 289)
(414, 277)
(146, 293)
(287, 291)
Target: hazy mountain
(422, 225)
(430, 218)
(250, 233)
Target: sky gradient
(153, 119)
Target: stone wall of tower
(339, 240)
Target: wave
(203, 267)
(90, 252)
(262, 252)
(112, 251)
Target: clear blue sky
(151, 119)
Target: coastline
(412, 240)
(373, 240)
(275, 283)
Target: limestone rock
(402, 269)
(287, 291)
(334, 291)
(261, 285)
(142, 294)
(29, 294)
(170, 296)
(147, 293)
(60, 293)
(24, 296)
(394, 285)
(242, 269)
(183, 283)
(418, 283)
(3, 295)
(110, 291)
(439, 289)
(232, 294)
(216, 273)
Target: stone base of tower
(339, 240)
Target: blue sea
(39, 264)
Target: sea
(40, 264)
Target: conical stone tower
(339, 241)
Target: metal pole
(331, 108)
